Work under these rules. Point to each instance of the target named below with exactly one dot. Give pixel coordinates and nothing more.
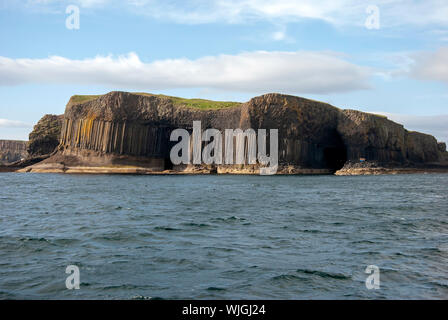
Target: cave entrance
(167, 164)
(335, 156)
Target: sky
(382, 56)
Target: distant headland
(122, 132)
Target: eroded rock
(45, 136)
(121, 129)
(12, 150)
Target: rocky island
(12, 151)
(122, 132)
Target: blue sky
(397, 64)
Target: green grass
(189, 103)
(380, 115)
(194, 103)
(83, 98)
(204, 104)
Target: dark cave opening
(168, 165)
(335, 156)
(214, 170)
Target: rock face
(45, 136)
(44, 139)
(12, 150)
(375, 138)
(127, 129)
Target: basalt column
(143, 142)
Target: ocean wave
(324, 274)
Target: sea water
(223, 236)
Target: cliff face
(376, 138)
(306, 128)
(44, 138)
(12, 150)
(122, 128)
(129, 124)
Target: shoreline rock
(285, 170)
(189, 170)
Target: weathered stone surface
(421, 148)
(45, 135)
(126, 129)
(376, 138)
(44, 140)
(12, 150)
(371, 137)
(128, 124)
(307, 129)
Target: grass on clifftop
(194, 103)
(191, 103)
(83, 98)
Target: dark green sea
(223, 237)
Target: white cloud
(435, 125)
(420, 65)
(254, 72)
(234, 11)
(5, 123)
(279, 35)
(337, 12)
(82, 3)
(431, 65)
